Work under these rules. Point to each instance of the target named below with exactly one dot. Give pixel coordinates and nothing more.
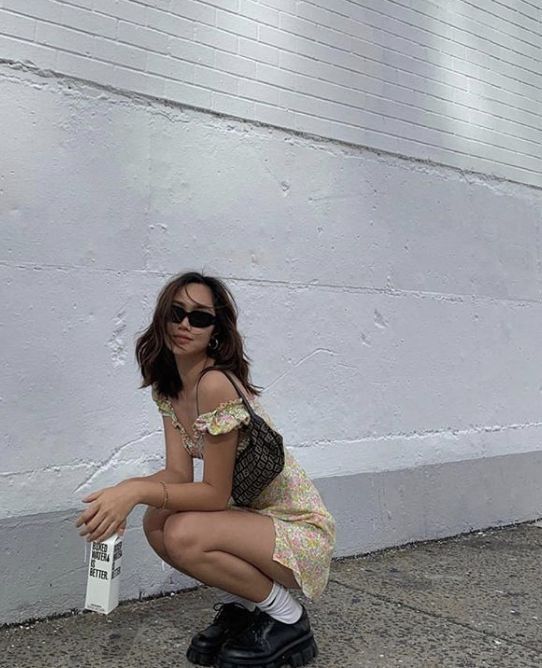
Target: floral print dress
(304, 528)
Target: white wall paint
(389, 308)
(457, 83)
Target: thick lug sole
(201, 658)
(299, 653)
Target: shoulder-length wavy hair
(157, 362)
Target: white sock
(281, 605)
(226, 597)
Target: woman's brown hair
(157, 362)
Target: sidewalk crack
(446, 618)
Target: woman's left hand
(107, 512)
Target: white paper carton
(104, 575)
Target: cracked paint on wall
(117, 342)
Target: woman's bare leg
(229, 549)
(153, 526)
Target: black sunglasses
(195, 318)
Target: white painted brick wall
(458, 83)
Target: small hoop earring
(214, 343)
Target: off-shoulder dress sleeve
(161, 402)
(224, 418)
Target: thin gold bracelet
(165, 499)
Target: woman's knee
(182, 535)
(154, 519)
(153, 527)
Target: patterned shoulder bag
(262, 459)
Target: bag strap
(225, 372)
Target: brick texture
(455, 83)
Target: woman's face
(187, 338)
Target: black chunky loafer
(231, 619)
(269, 643)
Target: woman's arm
(110, 506)
(180, 496)
(179, 465)
(166, 475)
(214, 492)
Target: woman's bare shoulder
(214, 388)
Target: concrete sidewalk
(470, 601)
